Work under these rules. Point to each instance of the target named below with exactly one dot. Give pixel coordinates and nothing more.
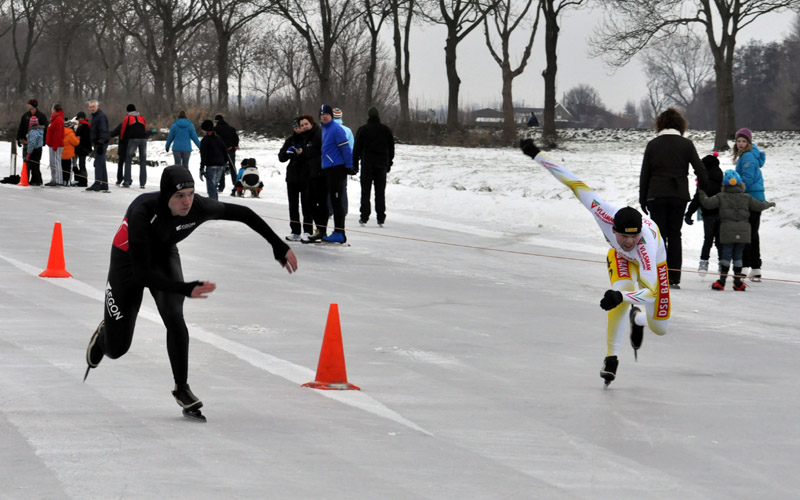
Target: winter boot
(637, 332)
(185, 398)
(609, 370)
(94, 352)
(703, 268)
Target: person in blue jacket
(337, 163)
(181, 136)
(749, 160)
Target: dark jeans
(731, 252)
(230, 167)
(318, 200)
(667, 213)
(133, 146)
(299, 196)
(33, 163)
(373, 175)
(66, 170)
(335, 178)
(122, 151)
(752, 250)
(710, 236)
(79, 167)
(100, 172)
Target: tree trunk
(401, 64)
(509, 125)
(372, 68)
(453, 81)
(223, 40)
(549, 134)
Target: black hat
(173, 179)
(34, 103)
(325, 109)
(81, 115)
(130, 108)
(207, 125)
(373, 112)
(711, 160)
(628, 220)
(218, 118)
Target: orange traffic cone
(331, 372)
(23, 176)
(55, 264)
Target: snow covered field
(471, 323)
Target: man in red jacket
(55, 139)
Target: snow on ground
(470, 322)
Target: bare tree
(266, 77)
(681, 65)
(295, 65)
(459, 17)
(25, 14)
(402, 12)
(228, 17)
(241, 56)
(505, 20)
(375, 13)
(552, 11)
(631, 26)
(320, 23)
(581, 99)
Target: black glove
(611, 299)
(688, 220)
(529, 148)
(352, 170)
(202, 174)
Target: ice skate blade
(194, 416)
(87, 373)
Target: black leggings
(122, 301)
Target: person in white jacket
(637, 265)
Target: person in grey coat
(734, 232)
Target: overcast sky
(480, 75)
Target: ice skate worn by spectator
(740, 286)
(637, 332)
(755, 275)
(718, 286)
(185, 398)
(335, 237)
(703, 267)
(609, 370)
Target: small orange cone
(55, 264)
(331, 372)
(23, 176)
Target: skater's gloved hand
(611, 299)
(202, 174)
(688, 220)
(529, 148)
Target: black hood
(174, 178)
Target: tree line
(286, 56)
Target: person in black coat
(293, 151)
(374, 148)
(22, 130)
(664, 183)
(710, 215)
(84, 148)
(213, 158)
(231, 140)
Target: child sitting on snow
(248, 179)
(734, 214)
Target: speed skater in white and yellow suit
(637, 265)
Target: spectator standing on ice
(182, 134)
(71, 141)
(749, 160)
(100, 136)
(710, 215)
(317, 187)
(134, 133)
(231, 139)
(24, 123)
(337, 162)
(83, 131)
(34, 144)
(664, 183)
(55, 141)
(213, 158)
(735, 208)
(144, 254)
(374, 149)
(337, 117)
(293, 151)
(637, 266)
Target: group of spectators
(320, 159)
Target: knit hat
(80, 116)
(373, 112)
(325, 109)
(207, 125)
(34, 103)
(218, 118)
(711, 160)
(130, 108)
(337, 113)
(295, 123)
(628, 220)
(173, 179)
(745, 132)
(731, 178)
(33, 121)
